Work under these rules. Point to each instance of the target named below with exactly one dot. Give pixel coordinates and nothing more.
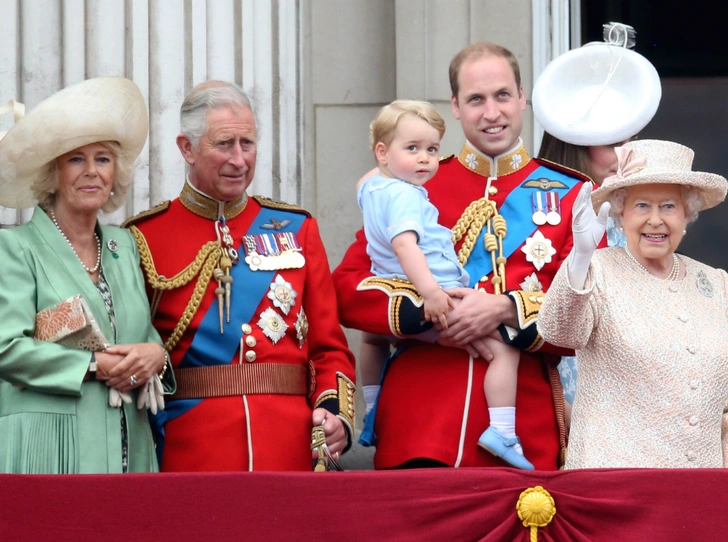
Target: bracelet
(166, 362)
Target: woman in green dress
(70, 405)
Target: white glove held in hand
(588, 229)
(151, 395)
(116, 398)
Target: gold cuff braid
(203, 265)
(344, 393)
(528, 305)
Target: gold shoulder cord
(203, 264)
(483, 212)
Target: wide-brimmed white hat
(600, 94)
(650, 161)
(100, 109)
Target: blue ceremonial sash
(209, 346)
(516, 209)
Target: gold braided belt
(483, 212)
(248, 379)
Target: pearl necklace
(89, 270)
(674, 272)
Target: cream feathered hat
(599, 94)
(650, 161)
(100, 109)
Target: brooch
(113, 246)
(704, 285)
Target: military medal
(704, 285)
(537, 207)
(301, 328)
(282, 294)
(272, 325)
(553, 217)
(273, 251)
(538, 250)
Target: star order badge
(282, 294)
(301, 328)
(272, 325)
(531, 284)
(538, 250)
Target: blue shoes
(502, 447)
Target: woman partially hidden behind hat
(594, 99)
(71, 288)
(649, 326)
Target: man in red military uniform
(511, 220)
(239, 287)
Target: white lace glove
(116, 398)
(588, 229)
(151, 395)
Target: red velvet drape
(417, 505)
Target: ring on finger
(133, 380)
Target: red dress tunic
(256, 431)
(432, 403)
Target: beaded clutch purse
(72, 324)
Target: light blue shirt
(393, 206)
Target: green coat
(58, 423)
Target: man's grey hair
(203, 98)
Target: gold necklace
(674, 272)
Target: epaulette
(566, 170)
(162, 207)
(282, 205)
(446, 158)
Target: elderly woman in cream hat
(648, 325)
(76, 341)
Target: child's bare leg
(372, 354)
(501, 378)
(500, 385)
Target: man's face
(489, 106)
(224, 165)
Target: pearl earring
(685, 231)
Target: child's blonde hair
(385, 123)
